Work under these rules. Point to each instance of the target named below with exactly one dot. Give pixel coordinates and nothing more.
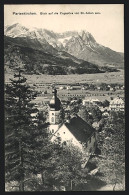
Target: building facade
(117, 104)
(90, 101)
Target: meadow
(109, 77)
(44, 82)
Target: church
(74, 131)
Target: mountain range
(42, 50)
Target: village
(88, 104)
(76, 116)
(73, 130)
(64, 98)
(88, 95)
(106, 102)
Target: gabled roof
(81, 130)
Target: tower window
(52, 119)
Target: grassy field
(115, 77)
(109, 77)
(44, 82)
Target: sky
(107, 27)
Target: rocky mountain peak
(87, 37)
(15, 30)
(81, 44)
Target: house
(90, 101)
(86, 102)
(103, 109)
(117, 87)
(34, 118)
(95, 101)
(105, 114)
(117, 104)
(74, 131)
(61, 87)
(69, 87)
(73, 101)
(122, 87)
(99, 88)
(111, 88)
(83, 88)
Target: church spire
(55, 103)
(54, 112)
(54, 91)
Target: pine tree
(111, 142)
(67, 170)
(47, 155)
(18, 130)
(83, 113)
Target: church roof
(80, 129)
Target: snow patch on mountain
(79, 44)
(64, 40)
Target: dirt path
(106, 188)
(110, 188)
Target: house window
(59, 139)
(58, 134)
(90, 140)
(64, 132)
(86, 144)
(52, 113)
(64, 143)
(52, 130)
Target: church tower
(54, 112)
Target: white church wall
(53, 128)
(54, 116)
(66, 135)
